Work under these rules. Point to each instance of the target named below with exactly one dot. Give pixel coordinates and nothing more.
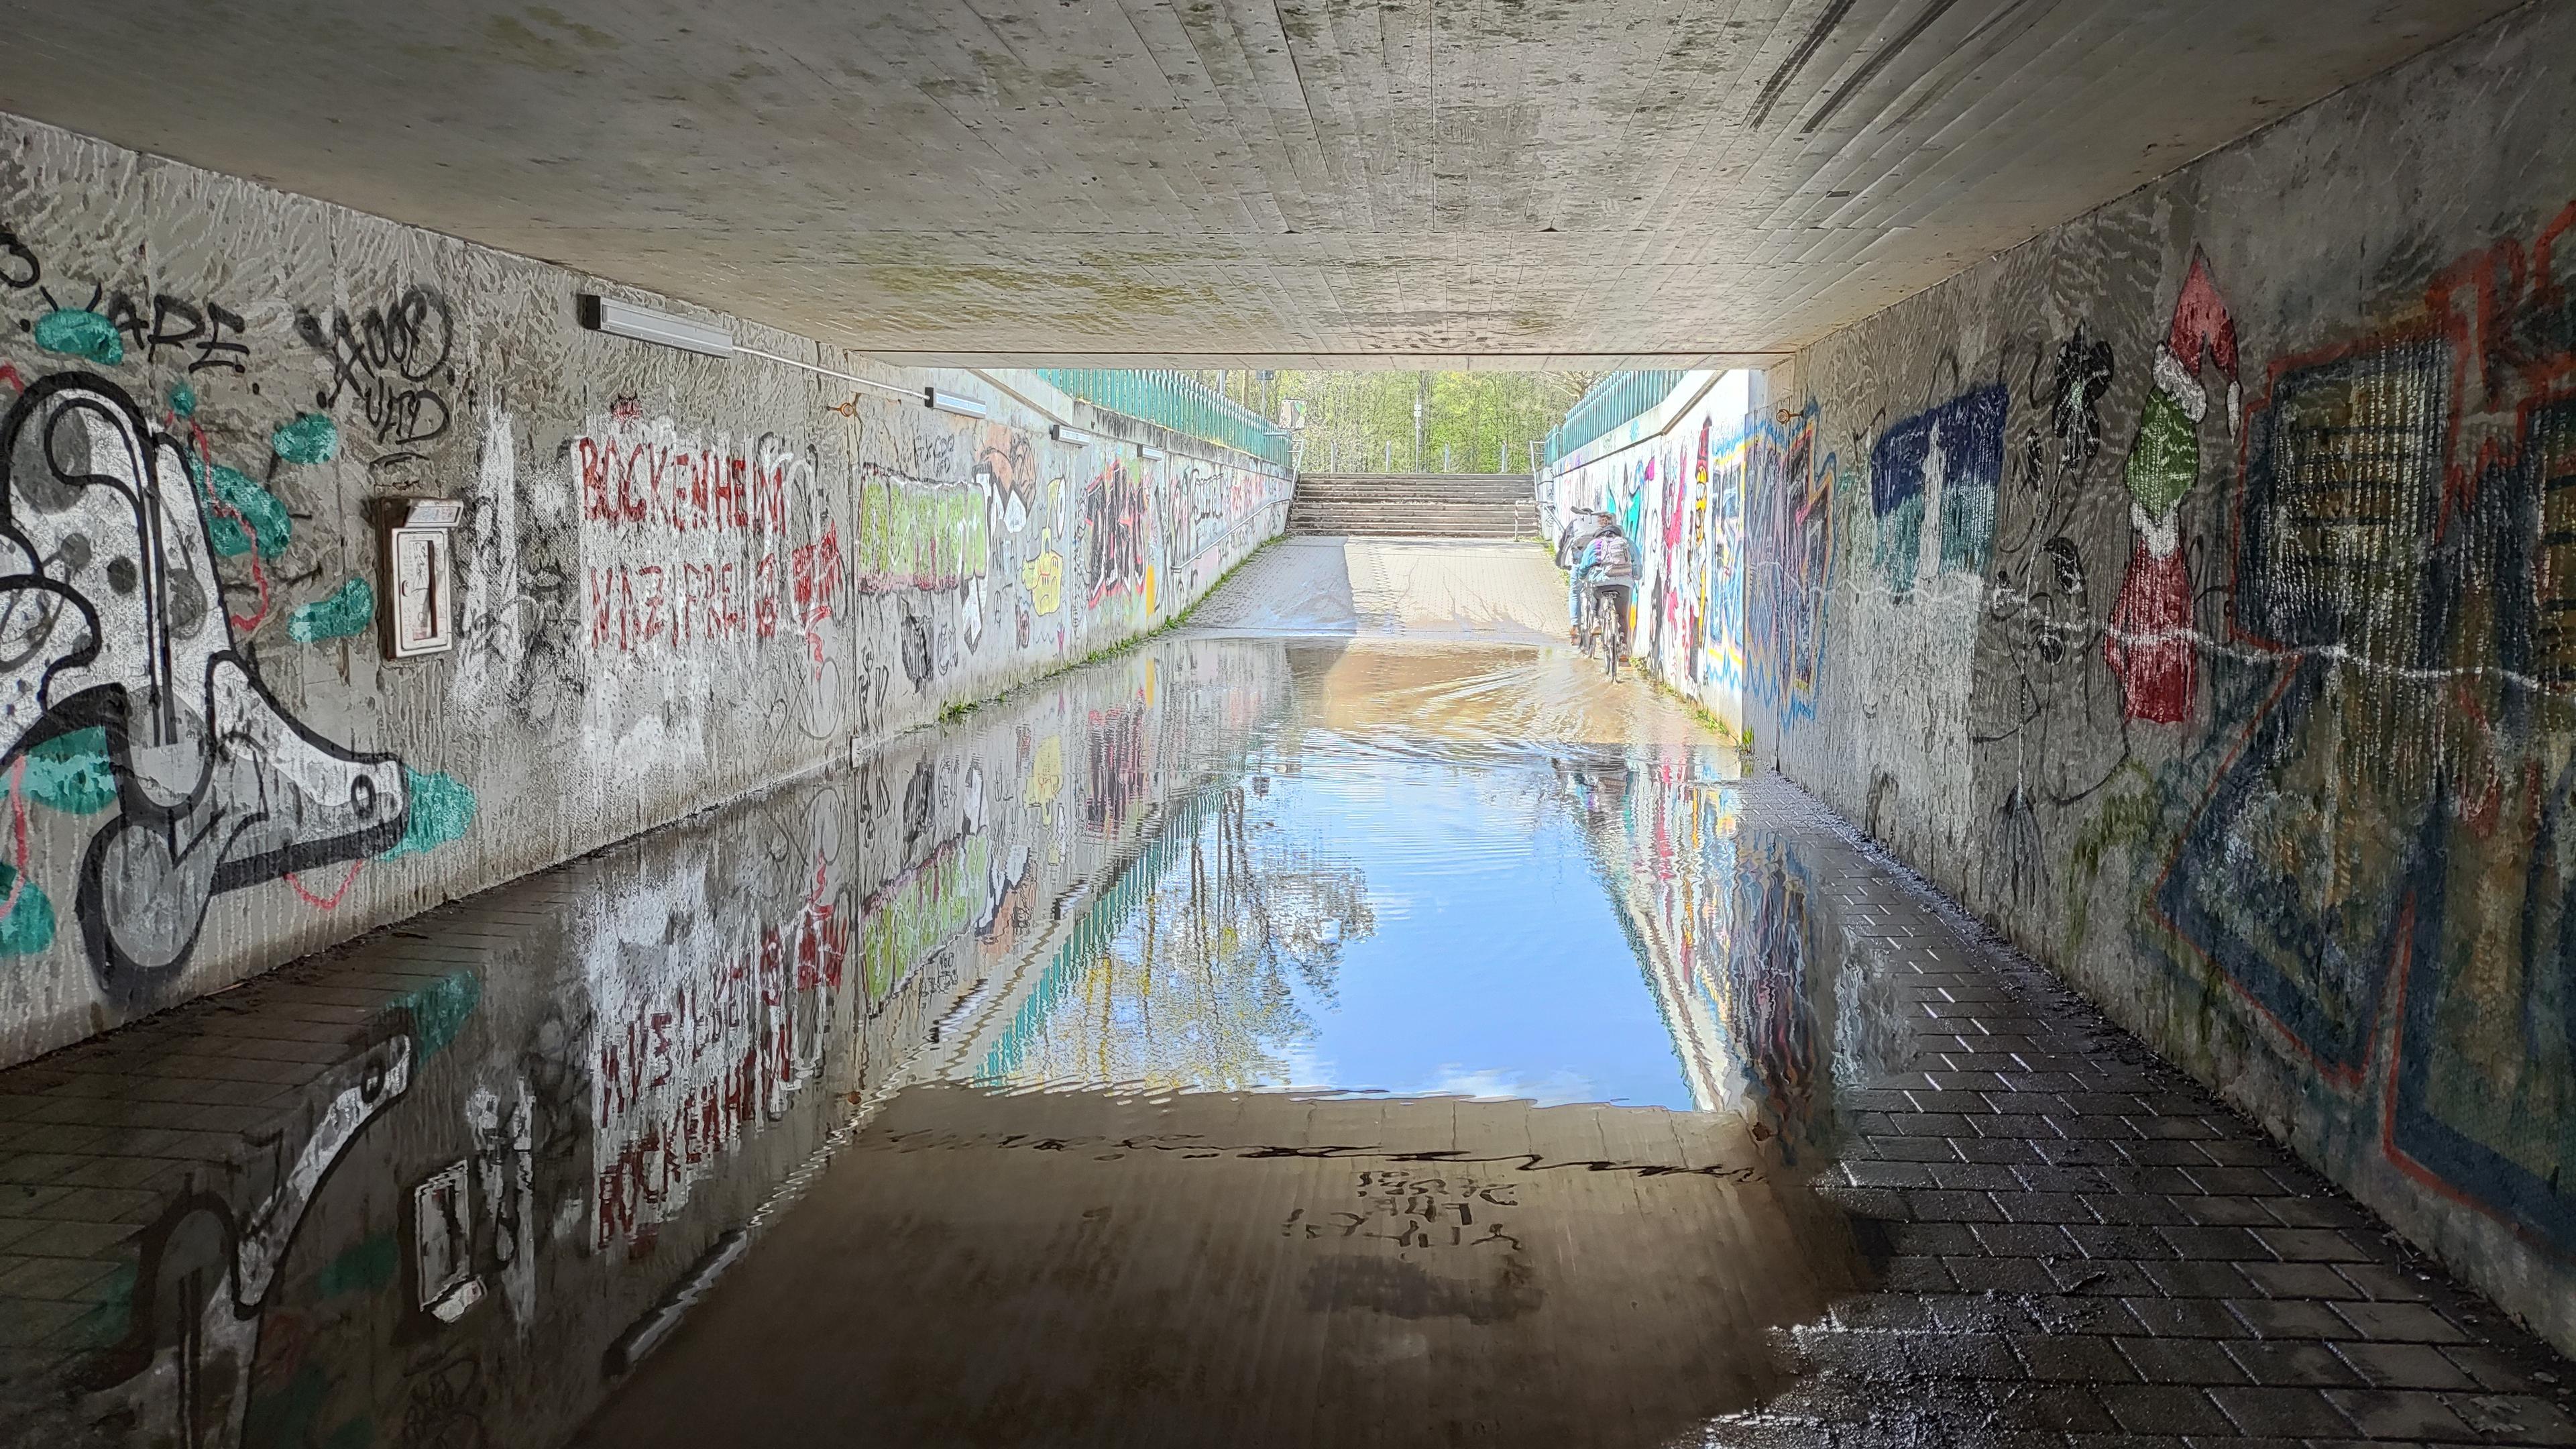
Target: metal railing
(1612, 401)
(1177, 401)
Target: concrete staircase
(1415, 505)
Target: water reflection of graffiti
(1765, 998)
(122, 688)
(184, 1370)
(690, 1066)
(515, 1165)
(929, 904)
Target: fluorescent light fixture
(1075, 436)
(1148, 451)
(643, 324)
(949, 402)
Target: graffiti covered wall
(2198, 577)
(1679, 497)
(677, 578)
(530, 1153)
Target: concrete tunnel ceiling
(1312, 182)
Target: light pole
(1421, 381)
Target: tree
(1198, 990)
(1362, 422)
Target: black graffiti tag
(396, 361)
(205, 325)
(20, 269)
(177, 323)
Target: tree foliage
(1363, 422)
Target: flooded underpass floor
(1381, 1030)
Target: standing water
(1353, 1020)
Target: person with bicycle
(1602, 577)
(1587, 527)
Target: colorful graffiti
(1789, 496)
(2386, 832)
(913, 535)
(1006, 468)
(1720, 549)
(2150, 643)
(1932, 484)
(1680, 498)
(125, 689)
(1117, 535)
(693, 542)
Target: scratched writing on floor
(1395, 1206)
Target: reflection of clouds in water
(1302, 1068)
(1548, 1089)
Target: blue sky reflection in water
(1407, 896)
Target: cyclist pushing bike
(1603, 576)
(1581, 530)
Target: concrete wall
(1674, 479)
(2189, 592)
(679, 578)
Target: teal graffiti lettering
(440, 1009)
(311, 438)
(29, 926)
(369, 1266)
(344, 612)
(441, 809)
(74, 332)
(71, 773)
(251, 505)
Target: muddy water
(1397, 1036)
(1421, 1076)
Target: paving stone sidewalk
(2084, 1247)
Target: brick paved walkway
(2084, 1246)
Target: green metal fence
(1177, 401)
(1613, 401)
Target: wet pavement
(1384, 1033)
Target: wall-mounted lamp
(1148, 452)
(643, 324)
(949, 402)
(1075, 436)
